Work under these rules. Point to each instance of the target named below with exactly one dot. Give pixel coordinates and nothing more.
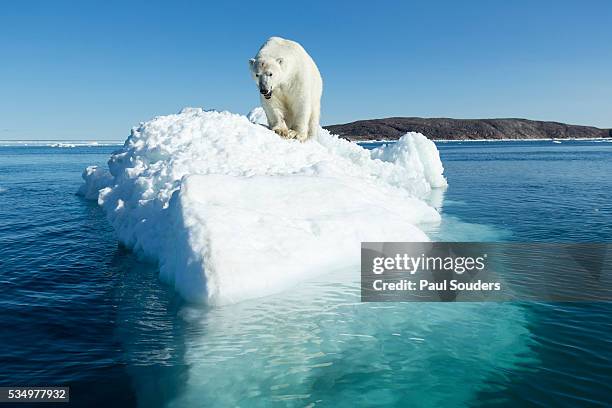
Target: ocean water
(80, 310)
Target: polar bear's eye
(257, 75)
(270, 74)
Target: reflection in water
(318, 345)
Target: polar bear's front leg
(276, 121)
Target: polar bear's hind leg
(313, 124)
(301, 119)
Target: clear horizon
(76, 71)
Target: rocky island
(464, 129)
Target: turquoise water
(80, 310)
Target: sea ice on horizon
(231, 211)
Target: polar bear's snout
(265, 84)
(267, 93)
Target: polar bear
(290, 86)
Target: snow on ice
(231, 211)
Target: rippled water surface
(79, 309)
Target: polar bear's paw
(286, 133)
(282, 132)
(290, 134)
(293, 134)
(301, 136)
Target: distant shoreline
(448, 129)
(603, 139)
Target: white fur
(285, 68)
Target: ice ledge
(262, 234)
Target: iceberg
(230, 211)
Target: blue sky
(92, 70)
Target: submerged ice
(231, 211)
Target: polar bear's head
(267, 73)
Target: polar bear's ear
(252, 62)
(280, 61)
